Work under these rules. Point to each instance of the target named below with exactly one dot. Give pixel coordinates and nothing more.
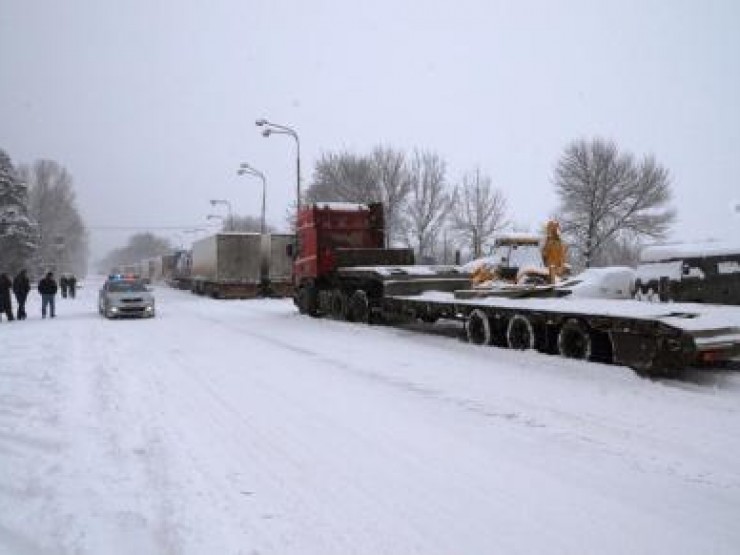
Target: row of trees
(421, 209)
(139, 247)
(40, 225)
(610, 201)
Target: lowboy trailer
(344, 270)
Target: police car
(125, 296)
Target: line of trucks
(337, 265)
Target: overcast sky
(151, 104)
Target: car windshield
(126, 286)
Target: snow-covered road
(240, 427)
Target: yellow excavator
(519, 259)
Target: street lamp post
(246, 169)
(216, 217)
(278, 129)
(230, 220)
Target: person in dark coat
(48, 289)
(21, 287)
(72, 284)
(5, 302)
(63, 285)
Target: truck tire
(478, 328)
(339, 305)
(308, 301)
(520, 333)
(359, 307)
(574, 340)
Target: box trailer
(227, 265)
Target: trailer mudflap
(648, 353)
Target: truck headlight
(114, 309)
(149, 308)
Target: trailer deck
(650, 337)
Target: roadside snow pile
(616, 282)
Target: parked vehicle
(122, 297)
(278, 250)
(699, 273)
(342, 270)
(242, 265)
(177, 269)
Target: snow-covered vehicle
(613, 282)
(699, 273)
(125, 297)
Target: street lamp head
(260, 122)
(267, 132)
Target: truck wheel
(574, 341)
(359, 307)
(339, 305)
(308, 301)
(478, 328)
(520, 333)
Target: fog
(151, 105)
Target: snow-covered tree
(63, 236)
(18, 239)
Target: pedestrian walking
(48, 289)
(21, 287)
(5, 302)
(63, 285)
(72, 284)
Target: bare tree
(605, 195)
(392, 178)
(621, 250)
(139, 247)
(344, 177)
(428, 202)
(247, 223)
(478, 212)
(63, 237)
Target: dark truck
(697, 273)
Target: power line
(143, 227)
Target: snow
(415, 270)
(660, 253)
(616, 282)
(240, 427)
(341, 206)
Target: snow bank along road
(240, 427)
